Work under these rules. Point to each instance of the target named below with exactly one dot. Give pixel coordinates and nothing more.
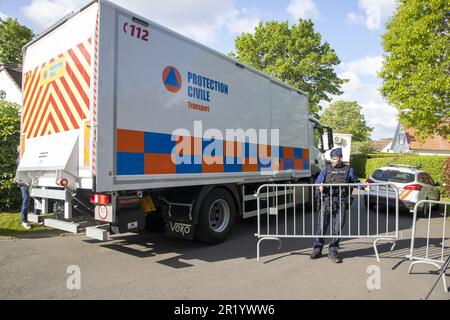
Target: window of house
(2, 95)
(402, 139)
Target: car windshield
(393, 176)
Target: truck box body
(106, 91)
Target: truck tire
(216, 217)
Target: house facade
(11, 83)
(405, 141)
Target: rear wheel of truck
(216, 217)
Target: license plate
(180, 230)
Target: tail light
(63, 183)
(413, 187)
(370, 181)
(102, 199)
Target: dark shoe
(335, 258)
(316, 254)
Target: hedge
(10, 196)
(365, 165)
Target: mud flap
(180, 230)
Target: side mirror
(330, 138)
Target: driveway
(152, 266)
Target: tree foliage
(295, 55)
(13, 36)
(416, 71)
(9, 140)
(346, 117)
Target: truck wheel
(216, 217)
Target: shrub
(10, 197)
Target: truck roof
(154, 24)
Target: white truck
(123, 119)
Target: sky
(353, 28)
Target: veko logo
(172, 79)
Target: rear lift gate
(46, 161)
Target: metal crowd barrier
(291, 211)
(434, 251)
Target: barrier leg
(376, 249)
(266, 238)
(423, 262)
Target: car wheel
(423, 211)
(216, 217)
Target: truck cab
(318, 147)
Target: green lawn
(11, 225)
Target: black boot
(316, 254)
(335, 258)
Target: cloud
(375, 12)
(200, 20)
(43, 13)
(370, 65)
(363, 87)
(238, 23)
(354, 18)
(303, 9)
(382, 117)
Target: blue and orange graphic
(172, 79)
(153, 153)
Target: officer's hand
(14, 180)
(321, 188)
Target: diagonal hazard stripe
(79, 67)
(77, 93)
(31, 90)
(37, 107)
(63, 108)
(63, 102)
(51, 104)
(405, 194)
(59, 123)
(80, 114)
(29, 83)
(85, 49)
(35, 123)
(50, 126)
(84, 92)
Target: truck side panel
(162, 82)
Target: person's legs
(323, 220)
(339, 216)
(25, 203)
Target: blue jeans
(25, 202)
(323, 221)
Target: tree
(346, 117)
(295, 55)
(416, 70)
(363, 147)
(13, 36)
(9, 140)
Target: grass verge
(11, 225)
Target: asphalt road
(152, 266)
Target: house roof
(434, 143)
(15, 72)
(381, 144)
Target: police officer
(335, 200)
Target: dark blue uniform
(335, 204)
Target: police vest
(337, 175)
